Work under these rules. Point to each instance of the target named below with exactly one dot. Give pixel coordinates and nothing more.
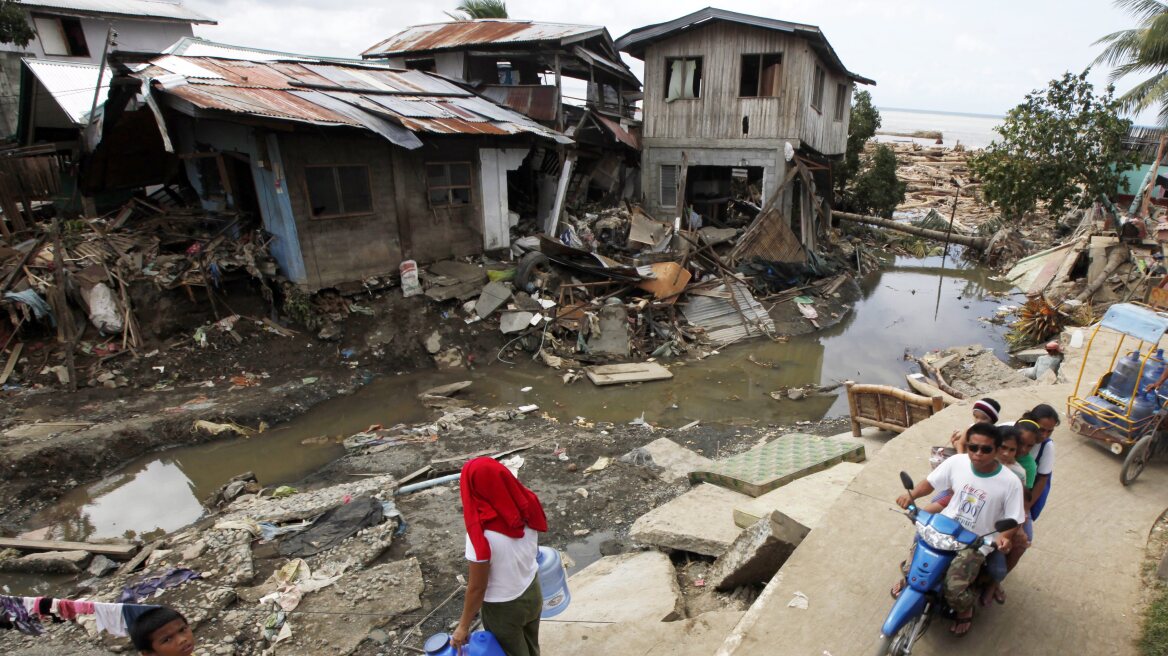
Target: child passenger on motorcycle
(984, 493)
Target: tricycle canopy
(1140, 322)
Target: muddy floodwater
(914, 306)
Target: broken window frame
(450, 187)
(761, 60)
(339, 190)
(841, 91)
(697, 78)
(671, 192)
(71, 32)
(819, 81)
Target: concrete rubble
(699, 521)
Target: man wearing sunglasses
(984, 492)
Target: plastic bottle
(480, 643)
(553, 582)
(1125, 376)
(1100, 402)
(1152, 370)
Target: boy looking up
(162, 631)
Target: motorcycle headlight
(937, 539)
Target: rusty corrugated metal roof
(535, 101)
(373, 97)
(619, 132)
(488, 31)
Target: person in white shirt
(984, 493)
(502, 518)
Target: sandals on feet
(1000, 595)
(897, 589)
(958, 623)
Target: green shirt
(1031, 468)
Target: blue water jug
(1125, 376)
(1152, 369)
(553, 582)
(480, 643)
(1144, 406)
(1096, 421)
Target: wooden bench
(887, 407)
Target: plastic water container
(553, 581)
(480, 643)
(1152, 369)
(1125, 376)
(1144, 406)
(1101, 402)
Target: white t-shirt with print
(979, 500)
(513, 565)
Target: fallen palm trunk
(939, 235)
(1115, 259)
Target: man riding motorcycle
(983, 492)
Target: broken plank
(618, 374)
(12, 360)
(137, 561)
(416, 474)
(118, 551)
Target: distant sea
(971, 130)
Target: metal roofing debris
(389, 102)
(141, 9)
(637, 40)
(71, 85)
(458, 34)
(535, 101)
(618, 131)
(193, 46)
(728, 316)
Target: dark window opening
(61, 36)
(448, 184)
(761, 75)
(817, 88)
(841, 101)
(725, 196)
(683, 78)
(338, 190)
(745, 125)
(428, 65)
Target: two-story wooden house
(735, 96)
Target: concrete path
(1077, 591)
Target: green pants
(515, 623)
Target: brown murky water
(910, 306)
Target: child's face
(981, 417)
(172, 639)
(1007, 452)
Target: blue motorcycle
(939, 539)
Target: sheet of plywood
(635, 372)
(669, 280)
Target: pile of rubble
(618, 286)
(78, 292)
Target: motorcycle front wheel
(901, 643)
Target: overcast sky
(978, 57)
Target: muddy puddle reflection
(914, 306)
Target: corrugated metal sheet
(537, 102)
(619, 132)
(145, 9)
(71, 85)
(458, 34)
(731, 316)
(331, 93)
(193, 46)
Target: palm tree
(1141, 49)
(472, 9)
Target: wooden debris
(618, 374)
(115, 551)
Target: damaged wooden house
(567, 77)
(352, 167)
(734, 101)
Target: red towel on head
(493, 499)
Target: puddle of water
(912, 305)
(586, 551)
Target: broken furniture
(888, 407)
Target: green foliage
(472, 9)
(1154, 641)
(876, 190)
(865, 120)
(1140, 49)
(14, 25)
(1061, 147)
